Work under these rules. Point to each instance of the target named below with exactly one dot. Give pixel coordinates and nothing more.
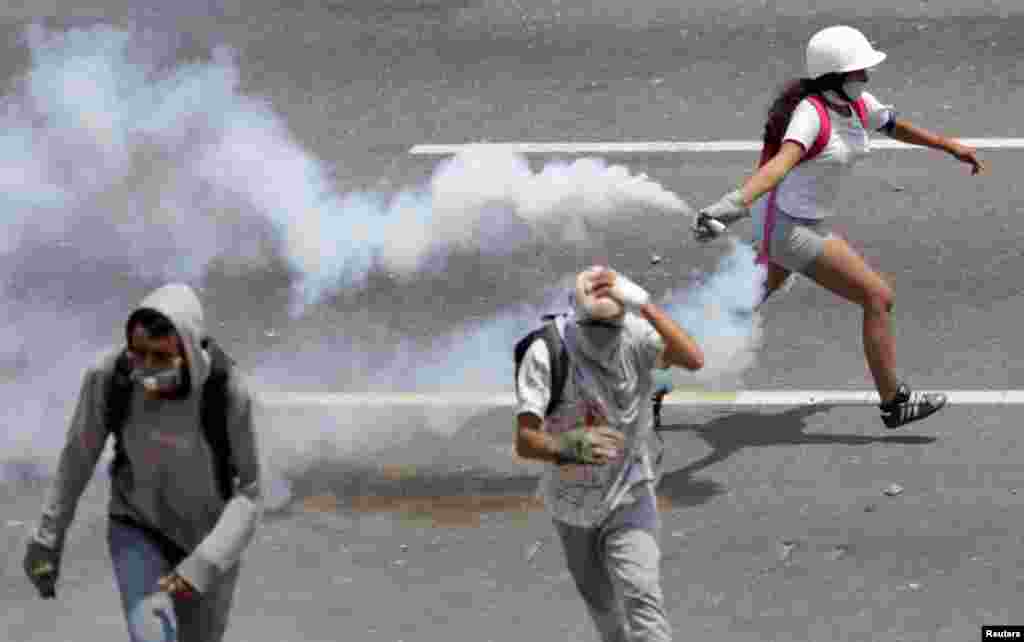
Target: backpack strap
(768, 152)
(824, 132)
(559, 363)
(214, 417)
(861, 109)
(559, 357)
(820, 141)
(117, 403)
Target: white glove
(629, 294)
(728, 209)
(713, 219)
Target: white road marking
(673, 147)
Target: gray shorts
(796, 242)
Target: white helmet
(840, 49)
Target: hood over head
(179, 303)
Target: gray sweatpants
(616, 567)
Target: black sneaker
(908, 406)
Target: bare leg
(842, 271)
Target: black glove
(42, 566)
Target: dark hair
(155, 324)
(781, 110)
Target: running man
(817, 129)
(177, 529)
(600, 489)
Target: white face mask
(600, 341)
(159, 379)
(601, 334)
(853, 88)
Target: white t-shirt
(809, 190)
(582, 495)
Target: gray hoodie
(171, 486)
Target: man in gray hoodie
(175, 541)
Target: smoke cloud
(124, 168)
(718, 312)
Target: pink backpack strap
(768, 228)
(862, 111)
(823, 133)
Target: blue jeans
(140, 559)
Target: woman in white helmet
(817, 129)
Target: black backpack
(559, 357)
(213, 414)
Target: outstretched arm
(736, 204)
(906, 132)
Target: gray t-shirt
(584, 495)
